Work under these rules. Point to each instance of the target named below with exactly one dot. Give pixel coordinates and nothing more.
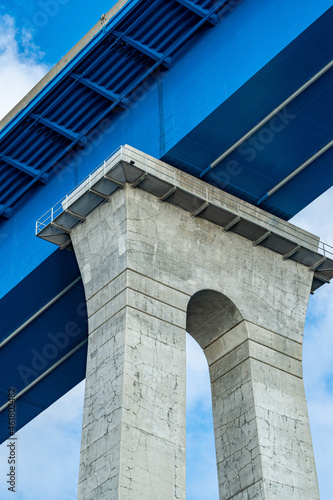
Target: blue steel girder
(43, 343)
(60, 129)
(199, 11)
(111, 96)
(32, 172)
(145, 49)
(161, 59)
(219, 129)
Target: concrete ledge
(199, 199)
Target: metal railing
(184, 181)
(92, 178)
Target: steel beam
(59, 129)
(111, 96)
(261, 239)
(103, 196)
(147, 51)
(32, 172)
(232, 223)
(317, 264)
(200, 209)
(61, 227)
(114, 181)
(199, 11)
(40, 311)
(321, 278)
(139, 180)
(291, 252)
(75, 215)
(295, 172)
(45, 374)
(167, 195)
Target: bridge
(222, 109)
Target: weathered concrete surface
(133, 437)
(141, 263)
(263, 441)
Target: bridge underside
(43, 338)
(284, 142)
(36, 311)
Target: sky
(49, 447)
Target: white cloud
(20, 64)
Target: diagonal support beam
(139, 180)
(291, 253)
(167, 195)
(148, 51)
(111, 96)
(61, 227)
(266, 119)
(101, 195)
(59, 129)
(232, 223)
(32, 172)
(317, 264)
(75, 215)
(261, 239)
(295, 172)
(321, 278)
(200, 209)
(199, 11)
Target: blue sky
(31, 41)
(49, 20)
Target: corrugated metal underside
(94, 85)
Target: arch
(210, 314)
(217, 325)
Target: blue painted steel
(50, 337)
(221, 82)
(48, 390)
(53, 275)
(284, 143)
(123, 57)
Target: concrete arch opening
(212, 320)
(210, 314)
(252, 405)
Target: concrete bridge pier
(262, 435)
(150, 272)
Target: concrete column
(142, 263)
(133, 436)
(262, 434)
